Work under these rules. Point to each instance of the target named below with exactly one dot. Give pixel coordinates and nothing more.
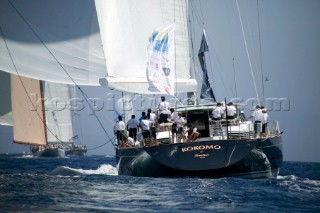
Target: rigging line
(253, 55)
(202, 14)
(196, 15)
(75, 115)
(175, 50)
(261, 67)
(244, 38)
(82, 92)
(191, 38)
(220, 66)
(232, 47)
(53, 115)
(235, 79)
(25, 89)
(177, 100)
(110, 140)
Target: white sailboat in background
(33, 123)
(58, 120)
(29, 117)
(75, 147)
(53, 51)
(49, 129)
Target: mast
(226, 111)
(41, 84)
(192, 98)
(261, 67)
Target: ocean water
(91, 184)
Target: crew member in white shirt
(163, 108)
(153, 128)
(217, 112)
(257, 115)
(173, 119)
(145, 125)
(119, 130)
(231, 111)
(180, 124)
(264, 120)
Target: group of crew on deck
(168, 118)
(229, 113)
(148, 124)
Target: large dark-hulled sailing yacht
(225, 147)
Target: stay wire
(245, 41)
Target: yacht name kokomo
(202, 147)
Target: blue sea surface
(91, 184)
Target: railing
(240, 129)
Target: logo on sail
(160, 66)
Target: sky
(282, 39)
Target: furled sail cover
(40, 37)
(58, 112)
(125, 28)
(5, 97)
(28, 123)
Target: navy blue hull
(49, 153)
(251, 158)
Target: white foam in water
(27, 156)
(104, 169)
(288, 177)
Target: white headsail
(58, 112)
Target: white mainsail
(58, 112)
(125, 27)
(52, 41)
